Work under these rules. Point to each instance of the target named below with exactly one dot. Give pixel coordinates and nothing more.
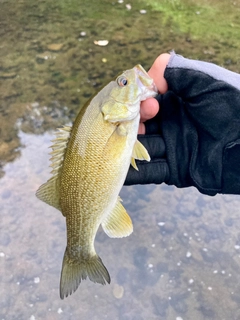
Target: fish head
(126, 94)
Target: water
(183, 256)
(183, 259)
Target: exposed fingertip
(157, 72)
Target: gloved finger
(154, 144)
(155, 171)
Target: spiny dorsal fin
(139, 153)
(118, 224)
(49, 191)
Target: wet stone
(4, 239)
(33, 298)
(178, 303)
(87, 94)
(162, 267)
(18, 315)
(153, 277)
(137, 317)
(31, 253)
(238, 237)
(175, 274)
(125, 316)
(235, 266)
(8, 75)
(122, 276)
(42, 297)
(183, 239)
(118, 291)
(55, 46)
(6, 194)
(236, 297)
(207, 312)
(208, 256)
(169, 227)
(229, 222)
(41, 57)
(140, 257)
(148, 277)
(212, 234)
(224, 258)
(5, 301)
(160, 305)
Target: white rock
(59, 311)
(101, 43)
(36, 280)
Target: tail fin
(73, 272)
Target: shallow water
(183, 259)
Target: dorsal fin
(49, 191)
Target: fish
(90, 161)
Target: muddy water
(183, 259)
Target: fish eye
(122, 81)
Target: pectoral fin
(118, 224)
(133, 163)
(139, 153)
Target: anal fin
(118, 224)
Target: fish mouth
(145, 82)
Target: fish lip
(147, 92)
(150, 90)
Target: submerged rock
(55, 46)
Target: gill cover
(129, 89)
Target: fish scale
(90, 162)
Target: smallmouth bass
(90, 161)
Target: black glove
(195, 138)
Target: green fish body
(90, 162)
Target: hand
(150, 107)
(192, 129)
